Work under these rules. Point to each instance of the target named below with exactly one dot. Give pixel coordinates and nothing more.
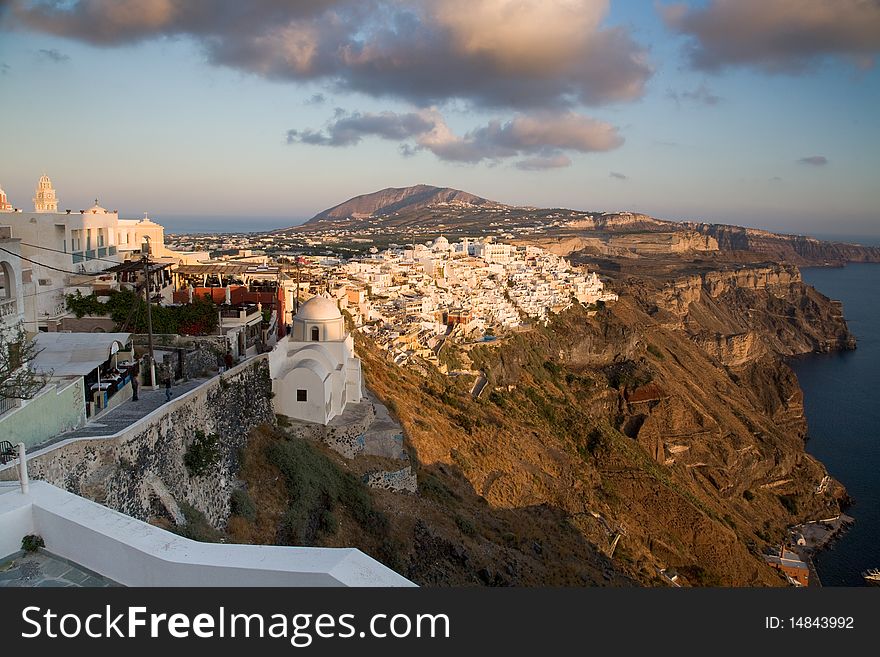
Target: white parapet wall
(134, 553)
(58, 407)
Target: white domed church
(314, 370)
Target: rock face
(612, 221)
(668, 419)
(796, 249)
(664, 243)
(396, 199)
(734, 314)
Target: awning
(136, 265)
(227, 269)
(73, 354)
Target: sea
(180, 224)
(842, 405)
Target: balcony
(8, 308)
(239, 312)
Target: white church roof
(319, 309)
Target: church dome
(319, 309)
(97, 209)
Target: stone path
(128, 412)
(384, 436)
(479, 386)
(44, 569)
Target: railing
(8, 308)
(238, 313)
(7, 404)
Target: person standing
(168, 380)
(134, 372)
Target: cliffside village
(60, 272)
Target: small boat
(872, 576)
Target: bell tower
(45, 200)
(5, 205)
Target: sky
(753, 112)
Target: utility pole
(149, 294)
(296, 296)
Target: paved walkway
(128, 412)
(44, 569)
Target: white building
(12, 275)
(5, 205)
(45, 200)
(59, 245)
(314, 370)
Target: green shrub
(202, 454)
(790, 503)
(596, 442)
(316, 488)
(431, 486)
(197, 527)
(32, 543)
(196, 318)
(241, 504)
(748, 495)
(654, 351)
(554, 368)
(699, 575)
(466, 526)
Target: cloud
(53, 55)
(522, 54)
(619, 176)
(5, 68)
(702, 95)
(814, 160)
(543, 136)
(781, 36)
(349, 129)
(316, 99)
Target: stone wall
(198, 362)
(344, 434)
(397, 481)
(140, 471)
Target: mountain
(430, 210)
(401, 199)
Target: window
(314, 334)
(302, 395)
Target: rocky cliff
(796, 249)
(617, 221)
(664, 243)
(732, 312)
(665, 430)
